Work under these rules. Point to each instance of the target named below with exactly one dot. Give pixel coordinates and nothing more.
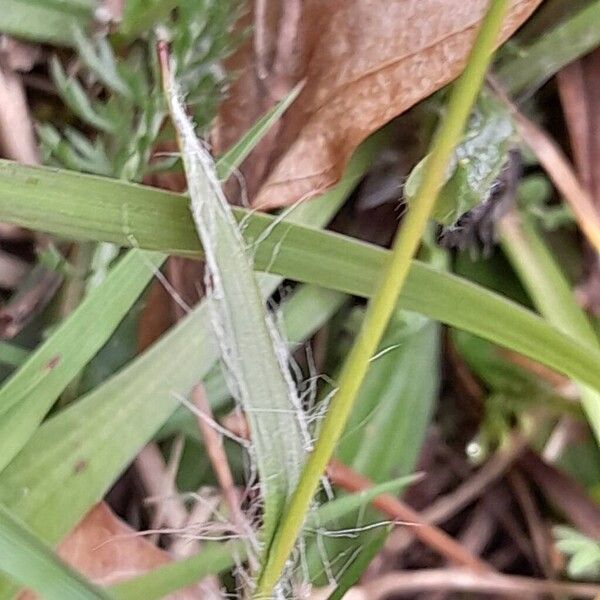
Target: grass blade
(538, 62)
(551, 294)
(33, 564)
(253, 354)
(214, 558)
(32, 390)
(122, 213)
(341, 507)
(234, 157)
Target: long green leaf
(30, 392)
(96, 208)
(51, 21)
(33, 564)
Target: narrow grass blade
(213, 558)
(33, 564)
(352, 574)
(30, 392)
(152, 219)
(388, 424)
(234, 157)
(551, 294)
(341, 507)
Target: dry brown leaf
(106, 550)
(579, 89)
(365, 62)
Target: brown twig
(559, 170)
(495, 467)
(571, 89)
(158, 483)
(213, 442)
(579, 91)
(479, 530)
(435, 538)
(412, 582)
(158, 480)
(37, 290)
(448, 505)
(12, 270)
(563, 492)
(17, 140)
(538, 533)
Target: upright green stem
(384, 301)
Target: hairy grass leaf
(252, 352)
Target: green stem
(386, 296)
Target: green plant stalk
(386, 296)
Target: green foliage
(476, 164)
(129, 111)
(32, 390)
(533, 195)
(56, 469)
(51, 21)
(74, 457)
(583, 553)
(84, 207)
(35, 565)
